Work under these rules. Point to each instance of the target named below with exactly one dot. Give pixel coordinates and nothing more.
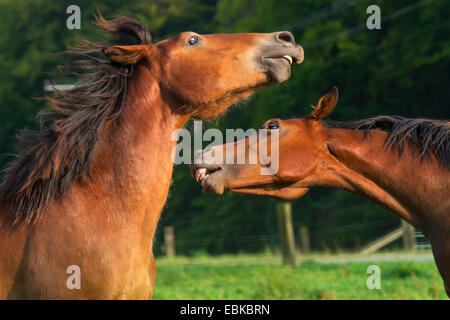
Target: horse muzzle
(278, 54)
(211, 177)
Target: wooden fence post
(304, 240)
(409, 240)
(284, 212)
(169, 241)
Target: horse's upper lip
(287, 57)
(291, 54)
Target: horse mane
(63, 150)
(422, 136)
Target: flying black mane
(63, 150)
(423, 136)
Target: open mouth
(286, 57)
(201, 174)
(210, 177)
(278, 62)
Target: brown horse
(79, 207)
(401, 164)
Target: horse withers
(79, 206)
(401, 164)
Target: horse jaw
(285, 193)
(216, 108)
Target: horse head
(200, 75)
(293, 151)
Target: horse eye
(193, 40)
(272, 126)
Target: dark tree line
(402, 69)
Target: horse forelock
(127, 31)
(423, 136)
(63, 150)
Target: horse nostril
(285, 36)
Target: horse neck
(133, 166)
(366, 167)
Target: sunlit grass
(263, 277)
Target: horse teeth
(200, 174)
(289, 58)
(204, 179)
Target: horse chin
(214, 183)
(278, 70)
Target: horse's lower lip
(278, 68)
(211, 179)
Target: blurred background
(402, 69)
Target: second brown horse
(401, 164)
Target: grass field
(263, 277)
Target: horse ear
(325, 105)
(125, 54)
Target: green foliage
(401, 69)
